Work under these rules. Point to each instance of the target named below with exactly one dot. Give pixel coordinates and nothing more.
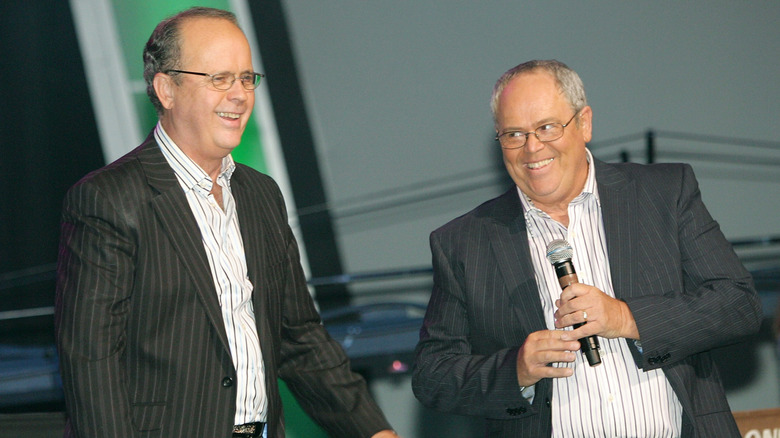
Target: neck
(210, 164)
(558, 212)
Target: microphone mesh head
(558, 251)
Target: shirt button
(227, 382)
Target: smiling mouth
(233, 116)
(539, 164)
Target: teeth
(229, 115)
(539, 164)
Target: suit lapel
(618, 211)
(174, 213)
(617, 192)
(251, 220)
(509, 242)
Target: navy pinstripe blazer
(143, 348)
(669, 262)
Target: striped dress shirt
(225, 251)
(614, 399)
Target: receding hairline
(508, 85)
(189, 21)
(566, 80)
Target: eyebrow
(537, 124)
(231, 72)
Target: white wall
(397, 92)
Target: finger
(566, 295)
(578, 316)
(555, 372)
(585, 330)
(542, 348)
(548, 357)
(573, 291)
(536, 371)
(553, 340)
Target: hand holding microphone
(559, 253)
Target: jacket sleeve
(449, 374)
(314, 366)
(697, 294)
(94, 280)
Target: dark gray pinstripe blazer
(669, 261)
(144, 352)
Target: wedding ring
(584, 315)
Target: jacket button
(547, 402)
(227, 382)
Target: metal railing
(47, 273)
(614, 149)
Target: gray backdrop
(397, 93)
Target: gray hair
(163, 50)
(568, 81)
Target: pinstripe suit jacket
(144, 351)
(669, 262)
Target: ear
(586, 123)
(164, 87)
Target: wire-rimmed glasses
(545, 133)
(223, 81)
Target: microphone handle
(589, 345)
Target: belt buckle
(248, 429)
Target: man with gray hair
(659, 287)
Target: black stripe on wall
(298, 147)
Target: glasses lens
(222, 81)
(257, 78)
(549, 132)
(512, 139)
(250, 81)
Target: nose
(237, 92)
(533, 144)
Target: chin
(231, 143)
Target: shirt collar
(190, 175)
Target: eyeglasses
(223, 81)
(545, 133)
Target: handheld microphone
(559, 253)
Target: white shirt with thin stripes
(616, 398)
(225, 250)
